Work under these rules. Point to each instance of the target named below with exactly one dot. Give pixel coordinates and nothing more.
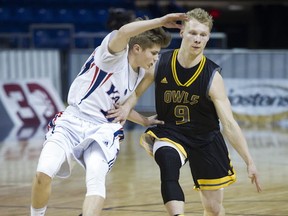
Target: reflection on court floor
(133, 186)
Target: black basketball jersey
(182, 99)
(191, 121)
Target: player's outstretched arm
(122, 36)
(231, 129)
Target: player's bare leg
(93, 205)
(51, 159)
(212, 202)
(175, 207)
(41, 190)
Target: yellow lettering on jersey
(173, 96)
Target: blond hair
(201, 16)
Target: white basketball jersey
(104, 80)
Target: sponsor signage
(259, 101)
(27, 103)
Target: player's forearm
(131, 101)
(236, 138)
(137, 27)
(123, 35)
(137, 118)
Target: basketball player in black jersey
(191, 99)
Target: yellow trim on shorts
(178, 146)
(215, 184)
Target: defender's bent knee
(96, 171)
(169, 162)
(42, 179)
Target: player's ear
(137, 48)
(181, 32)
(182, 29)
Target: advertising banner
(259, 101)
(27, 104)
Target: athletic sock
(38, 212)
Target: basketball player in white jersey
(82, 132)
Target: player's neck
(133, 64)
(188, 60)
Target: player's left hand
(253, 175)
(170, 20)
(152, 120)
(119, 114)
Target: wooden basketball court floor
(133, 184)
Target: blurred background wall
(67, 24)
(52, 38)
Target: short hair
(148, 39)
(201, 16)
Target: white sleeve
(106, 60)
